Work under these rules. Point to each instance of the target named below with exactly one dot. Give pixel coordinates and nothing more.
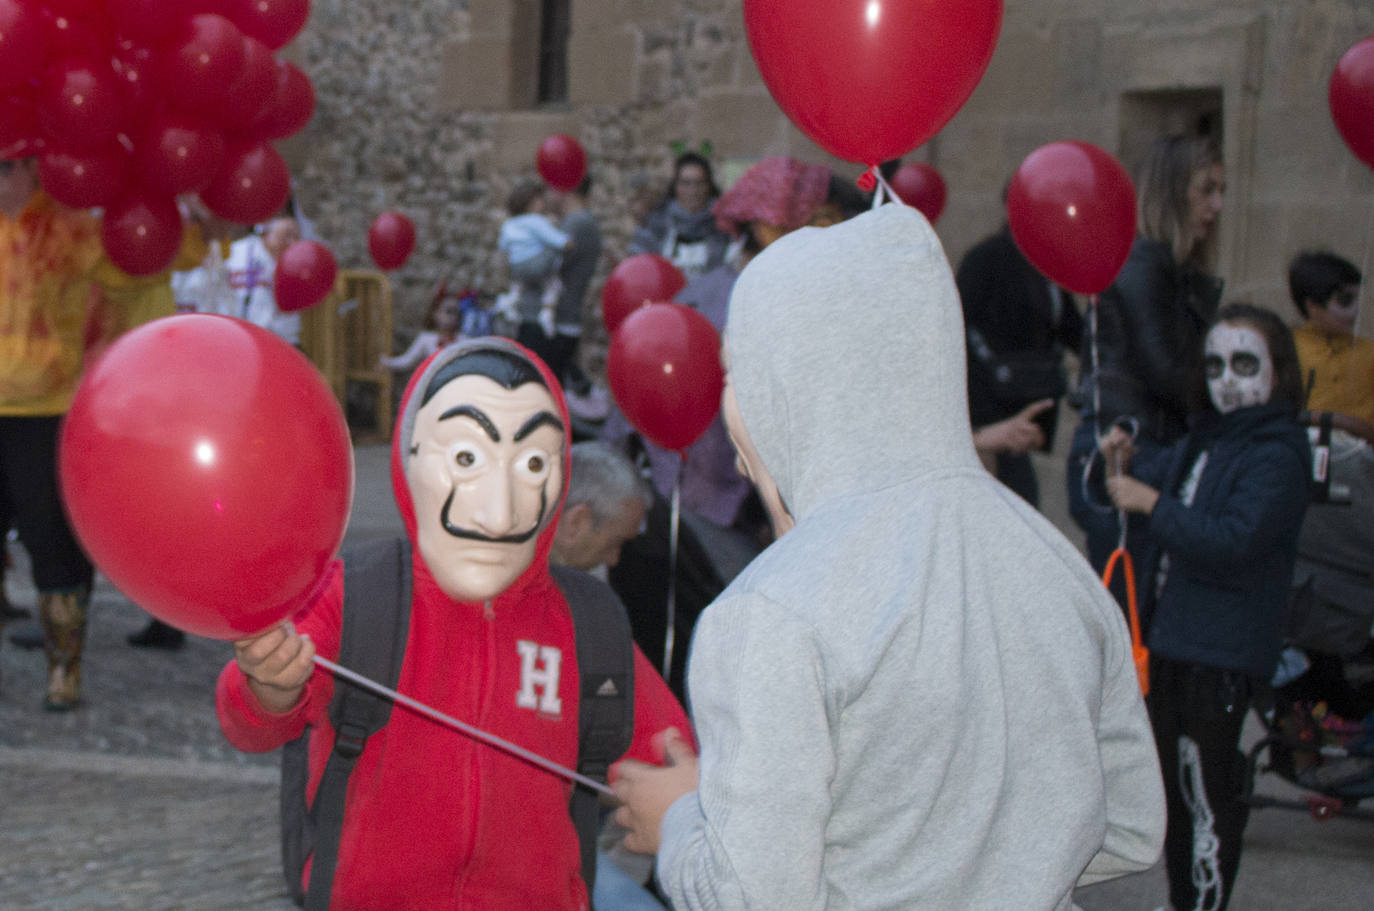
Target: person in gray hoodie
(920, 695)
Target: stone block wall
(428, 107)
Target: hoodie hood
(868, 304)
(536, 575)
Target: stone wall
(427, 107)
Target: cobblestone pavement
(135, 801)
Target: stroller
(1319, 717)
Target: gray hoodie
(921, 696)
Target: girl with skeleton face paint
(1223, 508)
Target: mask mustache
(468, 534)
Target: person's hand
(647, 791)
(1131, 495)
(1016, 435)
(1116, 447)
(277, 664)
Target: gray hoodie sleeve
(752, 835)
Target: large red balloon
(561, 161)
(207, 470)
(142, 234)
(646, 278)
(23, 41)
(82, 105)
(178, 154)
(201, 63)
(1071, 208)
(252, 185)
(304, 275)
(273, 22)
(663, 366)
(870, 80)
(84, 179)
(1351, 96)
(920, 186)
(391, 240)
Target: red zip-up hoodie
(436, 819)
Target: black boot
(158, 635)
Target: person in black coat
(1223, 507)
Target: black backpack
(376, 619)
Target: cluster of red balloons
(663, 367)
(1071, 207)
(1351, 97)
(207, 470)
(130, 103)
(920, 186)
(870, 81)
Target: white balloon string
(883, 189)
(473, 732)
(674, 523)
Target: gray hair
(603, 478)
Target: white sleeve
(753, 834)
(425, 344)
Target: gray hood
(888, 318)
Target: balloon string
(473, 732)
(674, 522)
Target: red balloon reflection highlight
(870, 80)
(1071, 208)
(1351, 97)
(663, 367)
(646, 278)
(208, 472)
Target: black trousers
(1197, 713)
(28, 478)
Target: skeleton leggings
(1197, 712)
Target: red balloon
(208, 472)
(1071, 207)
(148, 21)
(23, 42)
(84, 179)
(81, 105)
(646, 278)
(273, 22)
(291, 107)
(20, 135)
(663, 366)
(177, 154)
(391, 240)
(79, 30)
(203, 60)
(133, 66)
(142, 234)
(252, 185)
(920, 186)
(254, 91)
(1351, 97)
(304, 275)
(561, 161)
(867, 80)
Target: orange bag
(1138, 650)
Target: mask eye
(467, 459)
(533, 464)
(1214, 366)
(1245, 364)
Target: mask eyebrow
(539, 420)
(478, 415)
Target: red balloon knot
(867, 181)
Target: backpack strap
(376, 621)
(605, 708)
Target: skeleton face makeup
(1240, 372)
